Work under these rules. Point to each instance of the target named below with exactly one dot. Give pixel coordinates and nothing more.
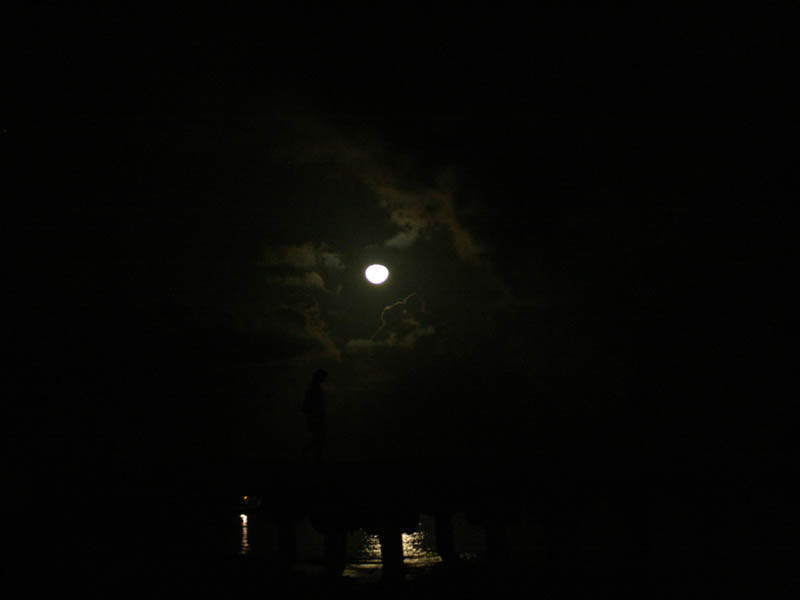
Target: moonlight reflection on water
(417, 548)
(244, 546)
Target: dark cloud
(292, 274)
(414, 206)
(419, 211)
(301, 327)
(311, 279)
(306, 257)
(401, 325)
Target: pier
(382, 499)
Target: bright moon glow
(376, 274)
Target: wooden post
(335, 540)
(287, 541)
(445, 544)
(391, 540)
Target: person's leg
(320, 444)
(310, 449)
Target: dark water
(180, 552)
(119, 552)
(145, 548)
(555, 541)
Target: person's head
(319, 375)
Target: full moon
(376, 274)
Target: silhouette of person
(314, 409)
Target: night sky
(563, 201)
